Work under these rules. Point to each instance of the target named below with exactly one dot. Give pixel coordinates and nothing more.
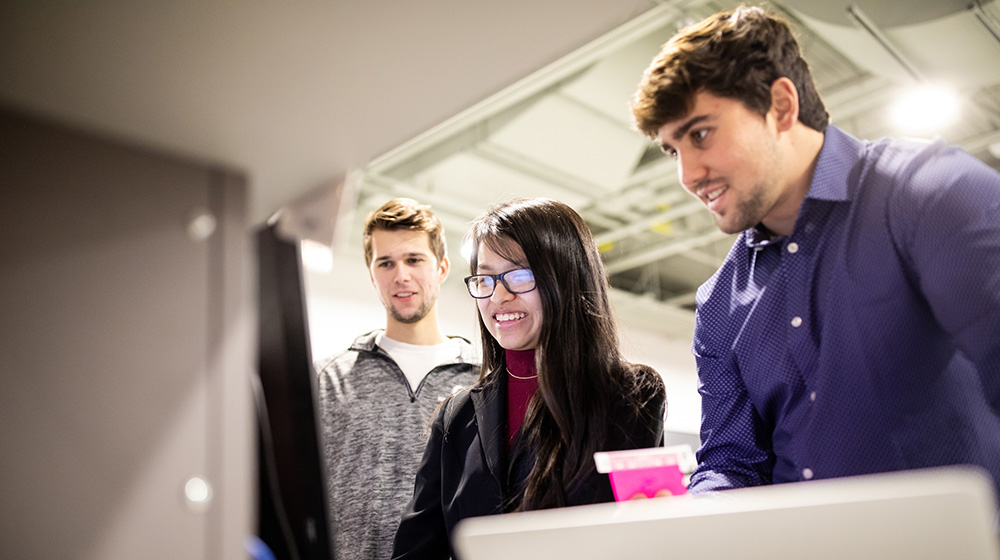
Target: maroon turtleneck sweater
(519, 391)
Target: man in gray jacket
(376, 399)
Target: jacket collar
(366, 343)
(489, 399)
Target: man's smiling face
(727, 157)
(406, 273)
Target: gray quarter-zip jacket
(374, 430)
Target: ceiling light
(925, 109)
(316, 257)
(467, 250)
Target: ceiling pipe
(663, 251)
(536, 169)
(861, 20)
(647, 223)
(985, 20)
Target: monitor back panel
(940, 513)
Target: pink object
(642, 471)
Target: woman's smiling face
(514, 320)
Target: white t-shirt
(417, 360)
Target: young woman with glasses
(553, 388)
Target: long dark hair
(581, 373)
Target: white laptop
(947, 513)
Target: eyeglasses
(517, 281)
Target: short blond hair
(408, 214)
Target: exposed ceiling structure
(417, 97)
(565, 133)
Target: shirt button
(793, 247)
(807, 473)
(812, 396)
(796, 321)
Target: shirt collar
(837, 160)
(836, 163)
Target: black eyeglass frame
(500, 278)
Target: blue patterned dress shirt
(869, 339)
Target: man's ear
(445, 266)
(784, 104)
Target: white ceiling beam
(442, 204)
(647, 223)
(663, 251)
(535, 169)
(534, 84)
(687, 298)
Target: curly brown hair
(735, 54)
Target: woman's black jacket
(464, 469)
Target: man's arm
(954, 246)
(735, 447)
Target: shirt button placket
(792, 248)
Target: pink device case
(645, 471)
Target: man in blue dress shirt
(854, 326)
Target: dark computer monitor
(292, 513)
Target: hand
(661, 493)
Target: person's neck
(424, 332)
(521, 362)
(804, 145)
